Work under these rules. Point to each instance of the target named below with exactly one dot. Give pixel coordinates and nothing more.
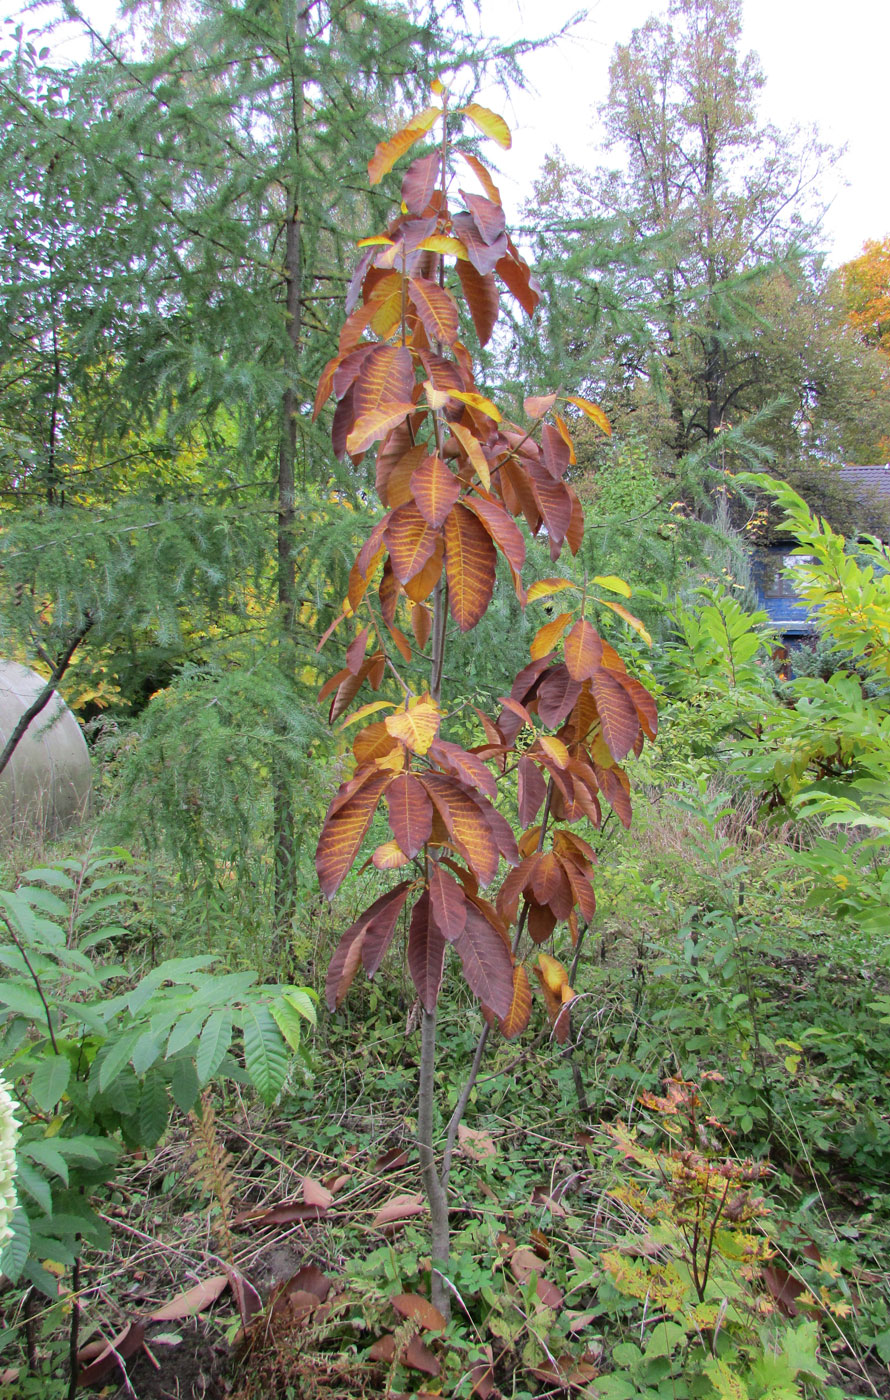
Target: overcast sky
(824, 64)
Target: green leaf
(265, 1056)
(123, 1092)
(22, 1000)
(154, 1109)
(36, 1186)
(216, 1038)
(47, 1154)
(146, 1050)
(303, 1001)
(117, 1054)
(184, 1032)
(288, 1022)
(56, 879)
(184, 1084)
(50, 1080)
(15, 1253)
(45, 900)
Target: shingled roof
(869, 479)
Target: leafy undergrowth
(686, 1198)
(647, 1258)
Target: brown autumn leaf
(505, 533)
(426, 953)
(476, 1144)
(384, 1349)
(419, 182)
(343, 832)
(193, 1300)
(314, 1194)
(414, 1305)
(410, 813)
(418, 1356)
(436, 308)
(483, 175)
(486, 962)
(481, 295)
(399, 1208)
(618, 715)
(121, 1348)
(519, 1015)
(436, 489)
(410, 539)
(470, 564)
(448, 905)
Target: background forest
(673, 1182)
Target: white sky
(824, 64)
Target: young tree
(453, 475)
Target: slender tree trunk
(436, 1191)
(282, 797)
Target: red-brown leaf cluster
(454, 478)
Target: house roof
(874, 480)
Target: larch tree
(198, 177)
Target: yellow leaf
(477, 401)
(436, 398)
(417, 726)
(489, 123)
(369, 709)
(377, 238)
(389, 856)
(441, 243)
(388, 152)
(593, 412)
(554, 748)
(437, 87)
(553, 973)
(547, 636)
(545, 586)
(629, 618)
(478, 460)
(613, 583)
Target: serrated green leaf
(43, 899)
(303, 1001)
(116, 1056)
(47, 875)
(47, 1155)
(19, 913)
(224, 990)
(24, 1001)
(123, 1092)
(265, 1055)
(185, 1031)
(146, 1050)
(15, 1253)
(216, 1038)
(50, 1080)
(154, 1109)
(27, 1179)
(288, 1022)
(184, 1084)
